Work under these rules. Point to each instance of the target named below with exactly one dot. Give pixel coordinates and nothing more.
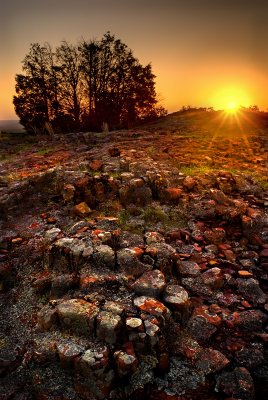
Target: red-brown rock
(77, 315)
(151, 306)
(188, 268)
(213, 278)
(68, 352)
(108, 327)
(211, 361)
(176, 297)
(82, 210)
(151, 283)
(47, 318)
(96, 165)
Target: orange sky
(203, 52)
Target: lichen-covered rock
(220, 197)
(126, 361)
(52, 234)
(96, 165)
(107, 223)
(210, 361)
(60, 284)
(152, 331)
(247, 321)
(68, 351)
(42, 283)
(45, 350)
(153, 238)
(67, 254)
(213, 278)
(152, 306)
(188, 268)
(108, 327)
(47, 318)
(165, 258)
(89, 281)
(95, 377)
(200, 329)
(129, 263)
(251, 291)
(237, 383)
(113, 307)
(70, 245)
(151, 283)
(215, 235)
(82, 182)
(189, 182)
(133, 323)
(171, 195)
(68, 192)
(212, 317)
(135, 192)
(195, 285)
(96, 359)
(185, 345)
(78, 226)
(250, 356)
(82, 210)
(77, 316)
(176, 297)
(104, 256)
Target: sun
(232, 107)
(231, 98)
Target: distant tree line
(190, 109)
(80, 87)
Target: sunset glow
(232, 107)
(197, 58)
(231, 99)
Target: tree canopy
(79, 87)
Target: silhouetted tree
(36, 101)
(85, 86)
(90, 55)
(71, 83)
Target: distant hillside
(10, 126)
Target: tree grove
(79, 87)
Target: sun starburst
(232, 107)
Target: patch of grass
(115, 174)
(151, 151)
(45, 151)
(110, 207)
(3, 343)
(262, 182)
(123, 218)
(90, 171)
(175, 218)
(257, 177)
(155, 215)
(193, 170)
(126, 224)
(19, 148)
(5, 157)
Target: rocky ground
(134, 264)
